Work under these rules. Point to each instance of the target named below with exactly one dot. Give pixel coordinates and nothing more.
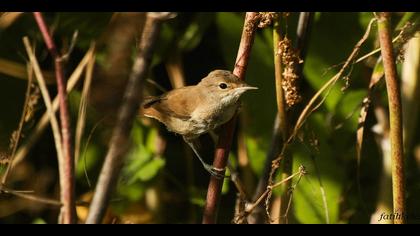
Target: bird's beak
(246, 87)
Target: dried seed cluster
(407, 32)
(290, 60)
(29, 111)
(267, 18)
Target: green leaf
(89, 25)
(408, 16)
(195, 31)
(308, 198)
(137, 134)
(133, 192)
(150, 169)
(197, 196)
(166, 38)
(88, 159)
(330, 45)
(39, 221)
(201, 202)
(226, 181)
(348, 108)
(152, 140)
(257, 154)
(142, 164)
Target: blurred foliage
(162, 181)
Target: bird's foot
(216, 172)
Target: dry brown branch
(33, 137)
(119, 143)
(68, 212)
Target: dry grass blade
(175, 69)
(53, 119)
(251, 207)
(30, 197)
(377, 74)
(81, 119)
(8, 18)
(43, 122)
(13, 69)
(17, 70)
(375, 51)
(284, 217)
(322, 190)
(18, 132)
(310, 107)
(407, 32)
(85, 149)
(47, 100)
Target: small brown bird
(194, 110)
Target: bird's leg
(216, 172)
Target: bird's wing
(164, 106)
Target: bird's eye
(223, 85)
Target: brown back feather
(161, 109)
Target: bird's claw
(216, 172)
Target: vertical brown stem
(220, 161)
(67, 185)
(395, 116)
(225, 139)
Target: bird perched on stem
(194, 110)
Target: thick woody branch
(119, 143)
